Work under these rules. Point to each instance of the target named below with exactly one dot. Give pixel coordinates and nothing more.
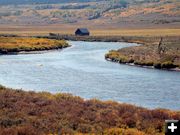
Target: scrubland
(43, 113)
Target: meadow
(44, 113)
(19, 44)
(94, 30)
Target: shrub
(157, 65)
(120, 131)
(30, 112)
(168, 65)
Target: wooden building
(82, 32)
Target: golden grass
(16, 44)
(138, 32)
(70, 29)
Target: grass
(165, 55)
(18, 44)
(44, 113)
(70, 29)
(137, 32)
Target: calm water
(83, 71)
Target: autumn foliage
(30, 113)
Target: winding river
(83, 71)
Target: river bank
(160, 54)
(128, 39)
(25, 45)
(83, 71)
(45, 113)
(154, 52)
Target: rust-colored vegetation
(18, 44)
(158, 52)
(33, 113)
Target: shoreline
(85, 99)
(144, 66)
(141, 41)
(127, 39)
(29, 45)
(34, 52)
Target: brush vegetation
(19, 44)
(161, 53)
(43, 113)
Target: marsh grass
(18, 44)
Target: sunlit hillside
(111, 13)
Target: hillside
(100, 13)
(14, 2)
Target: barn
(82, 32)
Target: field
(43, 113)
(70, 29)
(137, 32)
(19, 44)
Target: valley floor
(64, 29)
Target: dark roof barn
(82, 32)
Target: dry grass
(17, 44)
(138, 32)
(70, 29)
(165, 55)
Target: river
(83, 71)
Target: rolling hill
(14, 2)
(100, 13)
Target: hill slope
(100, 13)
(11, 2)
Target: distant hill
(100, 13)
(15, 2)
